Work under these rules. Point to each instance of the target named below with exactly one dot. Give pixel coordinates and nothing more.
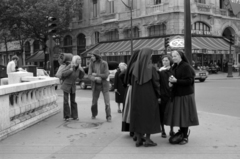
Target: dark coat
(118, 85)
(164, 83)
(69, 79)
(145, 116)
(104, 73)
(185, 80)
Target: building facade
(103, 21)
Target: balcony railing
(203, 7)
(109, 16)
(126, 15)
(153, 9)
(219, 11)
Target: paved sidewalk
(217, 137)
(223, 76)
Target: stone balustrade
(24, 104)
(126, 15)
(159, 8)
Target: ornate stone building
(105, 24)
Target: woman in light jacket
(69, 77)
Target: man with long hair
(98, 73)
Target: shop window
(94, 8)
(200, 26)
(96, 34)
(112, 35)
(127, 33)
(157, 2)
(157, 30)
(201, 1)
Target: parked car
(201, 75)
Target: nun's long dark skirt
(144, 115)
(181, 111)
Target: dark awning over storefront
(36, 57)
(121, 48)
(199, 45)
(209, 45)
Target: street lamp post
(187, 31)
(131, 35)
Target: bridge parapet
(24, 104)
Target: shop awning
(121, 48)
(210, 45)
(36, 57)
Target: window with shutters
(157, 30)
(112, 35)
(127, 33)
(201, 1)
(157, 2)
(96, 34)
(95, 9)
(111, 6)
(200, 26)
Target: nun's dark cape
(145, 116)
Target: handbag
(176, 138)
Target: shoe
(164, 135)
(131, 134)
(66, 119)
(138, 144)
(171, 133)
(184, 141)
(109, 119)
(134, 138)
(149, 144)
(119, 111)
(93, 117)
(76, 119)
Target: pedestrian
(164, 73)
(12, 65)
(98, 73)
(69, 78)
(119, 89)
(145, 118)
(127, 82)
(182, 111)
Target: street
(217, 136)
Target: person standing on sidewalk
(145, 118)
(182, 110)
(118, 84)
(164, 73)
(98, 73)
(127, 82)
(69, 77)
